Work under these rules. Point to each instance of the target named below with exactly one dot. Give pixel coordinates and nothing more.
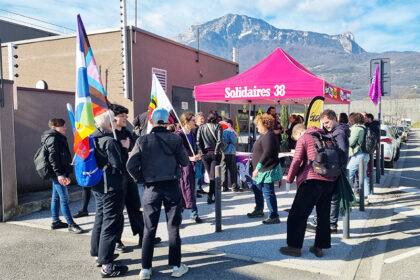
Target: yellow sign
(314, 112)
(260, 112)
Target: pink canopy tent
(278, 79)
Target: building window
(161, 75)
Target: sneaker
(237, 190)
(119, 246)
(179, 271)
(199, 195)
(311, 227)
(114, 257)
(145, 274)
(74, 228)
(290, 251)
(256, 214)
(226, 189)
(115, 271)
(197, 219)
(270, 221)
(81, 214)
(316, 251)
(59, 224)
(333, 229)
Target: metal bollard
(218, 198)
(361, 186)
(346, 218)
(382, 161)
(371, 173)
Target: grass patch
(416, 125)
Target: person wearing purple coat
(187, 180)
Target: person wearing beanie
(160, 148)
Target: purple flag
(375, 89)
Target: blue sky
(377, 25)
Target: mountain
(336, 58)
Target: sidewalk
(241, 237)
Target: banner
(314, 112)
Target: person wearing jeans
(357, 135)
(59, 159)
(267, 169)
(353, 166)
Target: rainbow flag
(158, 98)
(90, 94)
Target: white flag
(158, 99)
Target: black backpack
(42, 164)
(327, 157)
(369, 141)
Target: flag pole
(183, 130)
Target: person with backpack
(210, 143)
(156, 161)
(55, 158)
(313, 189)
(340, 132)
(109, 197)
(357, 154)
(267, 169)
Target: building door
(183, 100)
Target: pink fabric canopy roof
(278, 79)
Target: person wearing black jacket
(59, 158)
(210, 139)
(130, 189)
(155, 161)
(109, 197)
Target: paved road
(33, 253)
(378, 248)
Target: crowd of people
(188, 150)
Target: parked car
(403, 132)
(396, 134)
(391, 145)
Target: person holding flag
(92, 111)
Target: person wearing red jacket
(313, 190)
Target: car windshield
(383, 132)
(400, 128)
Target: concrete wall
(7, 153)
(53, 60)
(180, 63)
(34, 109)
(392, 109)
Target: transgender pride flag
(90, 94)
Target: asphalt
(245, 249)
(241, 238)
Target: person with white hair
(155, 161)
(109, 196)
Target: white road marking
(409, 178)
(402, 256)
